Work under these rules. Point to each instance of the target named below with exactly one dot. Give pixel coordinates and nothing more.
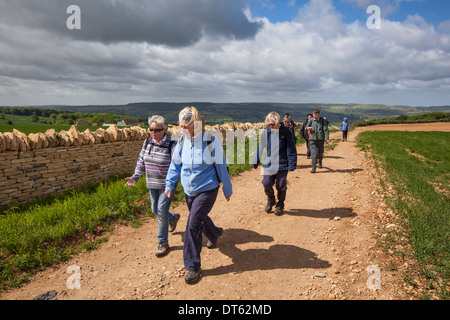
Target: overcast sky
(224, 51)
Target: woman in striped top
(154, 160)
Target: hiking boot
(270, 200)
(173, 224)
(279, 209)
(270, 203)
(313, 169)
(193, 277)
(162, 250)
(280, 205)
(212, 245)
(320, 164)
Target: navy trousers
(198, 222)
(344, 135)
(279, 179)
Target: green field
(417, 167)
(24, 122)
(25, 125)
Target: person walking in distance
(281, 157)
(154, 160)
(345, 127)
(304, 135)
(289, 123)
(200, 161)
(317, 131)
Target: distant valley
(256, 112)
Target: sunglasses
(155, 130)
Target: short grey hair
(160, 120)
(273, 117)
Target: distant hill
(256, 112)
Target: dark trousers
(198, 222)
(317, 149)
(308, 149)
(279, 179)
(344, 135)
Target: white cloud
(316, 58)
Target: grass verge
(417, 183)
(36, 235)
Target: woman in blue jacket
(345, 127)
(199, 159)
(281, 157)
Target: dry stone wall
(42, 164)
(38, 165)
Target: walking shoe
(270, 199)
(212, 245)
(278, 211)
(162, 250)
(193, 277)
(313, 169)
(280, 204)
(320, 164)
(173, 224)
(270, 203)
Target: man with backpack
(317, 131)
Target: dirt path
(320, 248)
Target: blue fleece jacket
(282, 158)
(200, 167)
(345, 126)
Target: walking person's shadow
(278, 256)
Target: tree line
(55, 116)
(418, 118)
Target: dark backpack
(171, 143)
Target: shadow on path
(278, 256)
(326, 170)
(329, 213)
